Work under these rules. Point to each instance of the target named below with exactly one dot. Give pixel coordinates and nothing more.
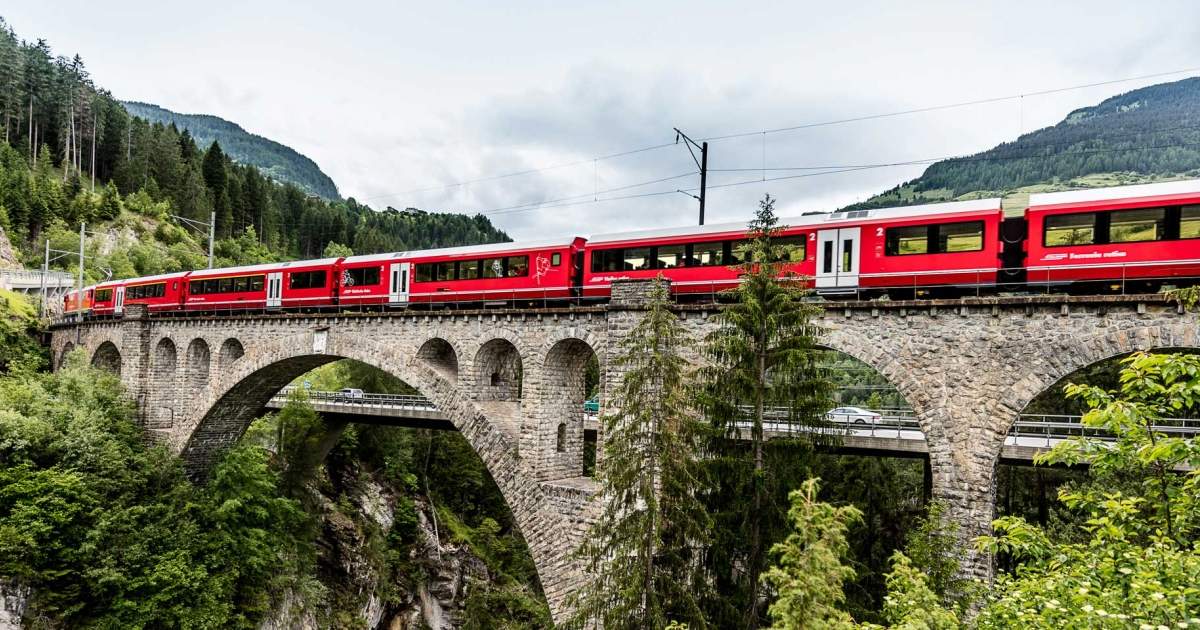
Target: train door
(275, 289)
(119, 303)
(837, 258)
(398, 288)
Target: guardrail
(892, 423)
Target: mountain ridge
(275, 159)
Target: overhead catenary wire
(764, 132)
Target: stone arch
(1075, 354)
(561, 393)
(163, 365)
(199, 365)
(440, 355)
(231, 350)
(67, 349)
(107, 357)
(499, 372)
(227, 406)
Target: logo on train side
(541, 267)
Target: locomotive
(1120, 239)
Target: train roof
(266, 267)
(857, 216)
(1115, 193)
(161, 276)
(466, 250)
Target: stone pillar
(135, 358)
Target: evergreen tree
(762, 359)
(640, 552)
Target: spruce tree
(762, 361)
(641, 550)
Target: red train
(1129, 238)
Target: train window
(300, 280)
(738, 251)
(226, 284)
(1189, 222)
(241, 285)
(794, 246)
(904, 241)
(707, 254)
(517, 266)
(827, 264)
(257, 283)
(361, 277)
(669, 256)
(493, 267)
(607, 260)
(445, 271)
(424, 272)
(636, 259)
(103, 295)
(468, 269)
(960, 237)
(1136, 226)
(555, 259)
(1070, 229)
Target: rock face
(13, 599)
(356, 592)
(8, 256)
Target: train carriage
(159, 293)
(1115, 239)
(104, 298)
(77, 302)
(914, 249)
(305, 284)
(536, 271)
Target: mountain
(277, 161)
(1147, 134)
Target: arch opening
(231, 350)
(499, 372)
(570, 379)
(163, 366)
(198, 365)
(67, 349)
(107, 357)
(440, 355)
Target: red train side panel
(1149, 231)
(500, 271)
(298, 284)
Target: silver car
(855, 415)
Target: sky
(413, 104)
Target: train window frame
(942, 245)
(446, 270)
(424, 272)
(516, 266)
(225, 285)
(493, 268)
(469, 269)
(680, 257)
(257, 283)
(1160, 225)
(732, 256)
(362, 276)
(799, 245)
(1095, 240)
(632, 253)
(1195, 218)
(716, 249)
(102, 295)
(555, 259)
(892, 240)
(306, 280)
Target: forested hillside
(71, 153)
(279, 162)
(1147, 133)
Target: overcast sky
(398, 101)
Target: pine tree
(640, 552)
(762, 359)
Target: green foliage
(19, 349)
(762, 356)
(109, 533)
(336, 250)
(640, 551)
(809, 572)
(911, 603)
(276, 160)
(932, 550)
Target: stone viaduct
(511, 381)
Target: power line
(934, 108)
